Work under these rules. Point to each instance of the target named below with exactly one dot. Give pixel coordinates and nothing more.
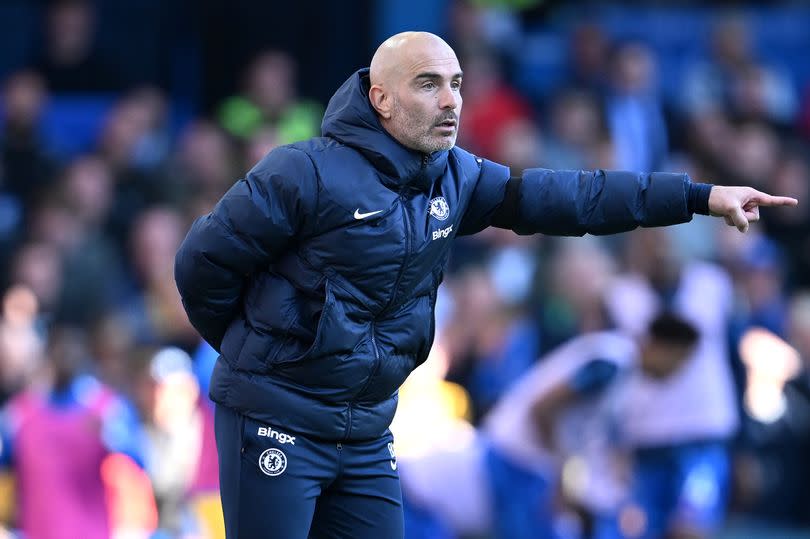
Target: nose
(448, 98)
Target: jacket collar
(351, 120)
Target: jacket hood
(350, 119)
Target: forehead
(430, 57)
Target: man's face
(426, 101)
(660, 359)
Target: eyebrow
(433, 75)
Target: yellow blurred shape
(432, 412)
(208, 510)
(7, 497)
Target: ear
(380, 100)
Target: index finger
(764, 199)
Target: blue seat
(71, 124)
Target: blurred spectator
(133, 147)
(88, 185)
(754, 156)
(519, 145)
(735, 81)
(480, 25)
(174, 417)
(205, 165)
(258, 146)
(152, 148)
(685, 422)
(490, 105)
(579, 274)
(577, 136)
(678, 490)
(589, 51)
(111, 341)
(502, 481)
(798, 397)
(759, 95)
(494, 342)
(760, 276)
(270, 98)
(709, 138)
(69, 60)
(93, 277)
(21, 342)
(634, 111)
(792, 231)
(757, 266)
(38, 266)
(156, 311)
(27, 170)
(82, 423)
(771, 466)
(88, 273)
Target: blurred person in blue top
(515, 480)
(495, 340)
(634, 110)
(315, 278)
(762, 282)
(57, 434)
(678, 428)
(735, 80)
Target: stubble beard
(416, 136)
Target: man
(560, 413)
(315, 278)
(679, 428)
(92, 464)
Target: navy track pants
(277, 484)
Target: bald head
(415, 89)
(407, 50)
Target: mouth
(448, 127)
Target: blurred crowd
(106, 426)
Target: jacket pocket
(292, 353)
(431, 334)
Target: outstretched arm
(577, 202)
(574, 203)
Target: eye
(455, 85)
(428, 85)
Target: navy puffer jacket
(315, 276)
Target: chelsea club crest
(273, 462)
(439, 208)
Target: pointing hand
(739, 206)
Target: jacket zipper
(408, 245)
(408, 248)
(348, 424)
(376, 367)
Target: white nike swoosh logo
(358, 215)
